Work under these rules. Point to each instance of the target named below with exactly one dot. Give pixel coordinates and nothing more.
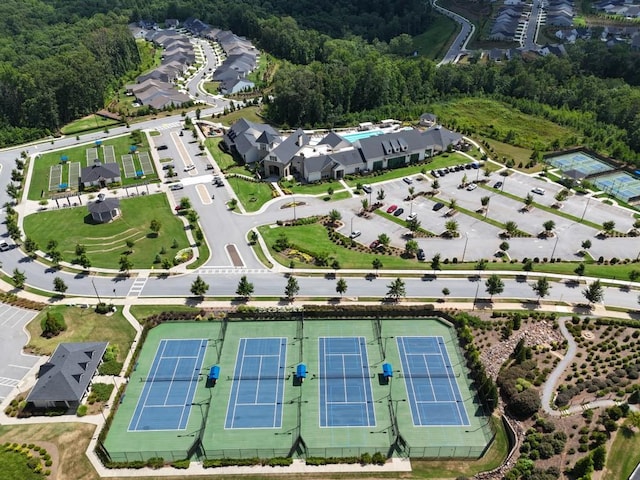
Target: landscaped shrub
(82, 410)
(155, 462)
(53, 324)
(181, 464)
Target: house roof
(290, 146)
(168, 98)
(67, 374)
(103, 206)
(391, 143)
(334, 140)
(99, 170)
(429, 117)
(440, 137)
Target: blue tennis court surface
(579, 162)
(165, 402)
(619, 184)
(345, 383)
(258, 384)
(432, 389)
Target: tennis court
(55, 177)
(165, 402)
(74, 175)
(259, 407)
(345, 383)
(258, 384)
(580, 163)
(109, 154)
(127, 165)
(145, 163)
(621, 185)
(432, 390)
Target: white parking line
(19, 366)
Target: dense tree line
(55, 68)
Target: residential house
(278, 161)
(235, 85)
(171, 23)
(250, 141)
(65, 379)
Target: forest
(343, 62)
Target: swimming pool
(352, 137)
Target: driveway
(14, 365)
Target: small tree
(185, 203)
(53, 324)
(199, 287)
(59, 285)
(84, 262)
(253, 237)
(55, 256)
(166, 263)
(541, 288)
(155, 226)
(18, 278)
(586, 244)
(453, 204)
(451, 228)
(494, 285)
(292, 288)
(30, 246)
(380, 196)
(548, 226)
(579, 270)
(384, 239)
(594, 292)
(608, 226)
(413, 224)
(410, 248)
(52, 245)
(365, 204)
(435, 262)
(233, 203)
(435, 185)
(528, 200)
(411, 190)
(504, 246)
(245, 288)
(80, 249)
(130, 243)
(334, 216)
(376, 264)
(511, 228)
(341, 286)
(396, 289)
(484, 201)
(445, 293)
(125, 264)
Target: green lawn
(433, 43)
(14, 465)
(141, 312)
(83, 325)
(91, 122)
(41, 167)
(252, 195)
(309, 188)
(249, 113)
(105, 243)
(624, 454)
(223, 159)
(340, 196)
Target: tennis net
(193, 378)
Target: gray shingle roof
(288, 149)
(388, 144)
(67, 374)
(98, 171)
(103, 206)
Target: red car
(374, 244)
(178, 208)
(392, 208)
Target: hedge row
(16, 301)
(243, 462)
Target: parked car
(4, 246)
(208, 167)
(161, 147)
(421, 255)
(355, 234)
(167, 166)
(412, 216)
(441, 172)
(538, 190)
(398, 212)
(188, 168)
(176, 186)
(472, 186)
(434, 174)
(392, 208)
(438, 206)
(498, 185)
(367, 188)
(407, 180)
(375, 244)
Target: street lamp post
(585, 209)
(351, 224)
(554, 246)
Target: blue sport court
(165, 402)
(619, 184)
(345, 383)
(432, 389)
(258, 384)
(579, 162)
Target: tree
(55, 256)
(18, 278)
(245, 288)
(451, 228)
(599, 456)
(125, 264)
(484, 201)
(633, 418)
(365, 204)
(253, 237)
(396, 289)
(435, 262)
(453, 204)
(586, 244)
(84, 261)
(30, 245)
(495, 285)
(59, 285)
(199, 287)
(334, 216)
(380, 196)
(608, 227)
(341, 286)
(435, 185)
(130, 243)
(541, 287)
(384, 239)
(511, 228)
(528, 200)
(52, 245)
(634, 275)
(579, 270)
(411, 247)
(413, 224)
(13, 191)
(155, 226)
(411, 190)
(166, 263)
(80, 249)
(185, 203)
(53, 324)
(525, 403)
(335, 264)
(292, 288)
(376, 264)
(192, 216)
(594, 292)
(548, 226)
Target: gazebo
(104, 210)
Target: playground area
(302, 388)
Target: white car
(538, 190)
(355, 234)
(472, 186)
(412, 216)
(188, 168)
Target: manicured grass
(249, 113)
(240, 170)
(465, 468)
(14, 465)
(433, 43)
(309, 188)
(212, 87)
(624, 454)
(223, 159)
(83, 325)
(340, 196)
(141, 312)
(105, 243)
(91, 122)
(252, 195)
(41, 166)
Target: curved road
(459, 45)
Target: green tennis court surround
(344, 405)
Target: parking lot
(14, 365)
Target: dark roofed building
(64, 380)
(100, 174)
(104, 210)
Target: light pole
(464, 250)
(351, 224)
(554, 246)
(585, 209)
(475, 297)
(294, 209)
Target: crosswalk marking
(137, 286)
(231, 270)
(8, 382)
(169, 126)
